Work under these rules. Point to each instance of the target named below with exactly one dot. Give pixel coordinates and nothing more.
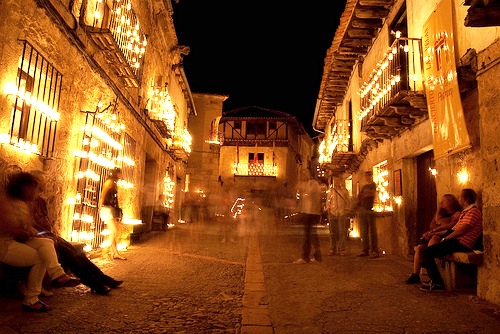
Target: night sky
(268, 54)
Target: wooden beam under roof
(359, 24)
(371, 12)
(361, 33)
(373, 24)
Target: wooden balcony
(398, 114)
(162, 128)
(482, 13)
(179, 153)
(393, 98)
(340, 162)
(115, 58)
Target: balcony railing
(255, 169)
(216, 138)
(181, 145)
(393, 97)
(336, 150)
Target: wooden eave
(482, 13)
(359, 24)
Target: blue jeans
(446, 247)
(338, 232)
(368, 230)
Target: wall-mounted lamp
(463, 176)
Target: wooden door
(426, 193)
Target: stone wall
(88, 78)
(489, 106)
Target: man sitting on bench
(465, 234)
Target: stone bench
(459, 270)
(10, 277)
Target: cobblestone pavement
(185, 280)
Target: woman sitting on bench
(20, 246)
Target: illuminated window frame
(36, 101)
(381, 178)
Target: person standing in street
(338, 203)
(310, 209)
(366, 216)
(463, 237)
(223, 201)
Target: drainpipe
(316, 111)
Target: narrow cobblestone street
(185, 280)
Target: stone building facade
(376, 81)
(259, 154)
(91, 85)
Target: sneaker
(362, 254)
(300, 261)
(313, 260)
(428, 282)
(413, 279)
(331, 253)
(374, 255)
(343, 253)
(432, 287)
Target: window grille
(129, 147)
(101, 151)
(35, 112)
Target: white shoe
(300, 261)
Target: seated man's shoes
(111, 282)
(66, 281)
(432, 287)
(100, 289)
(413, 279)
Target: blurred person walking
(337, 204)
(366, 216)
(110, 211)
(310, 208)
